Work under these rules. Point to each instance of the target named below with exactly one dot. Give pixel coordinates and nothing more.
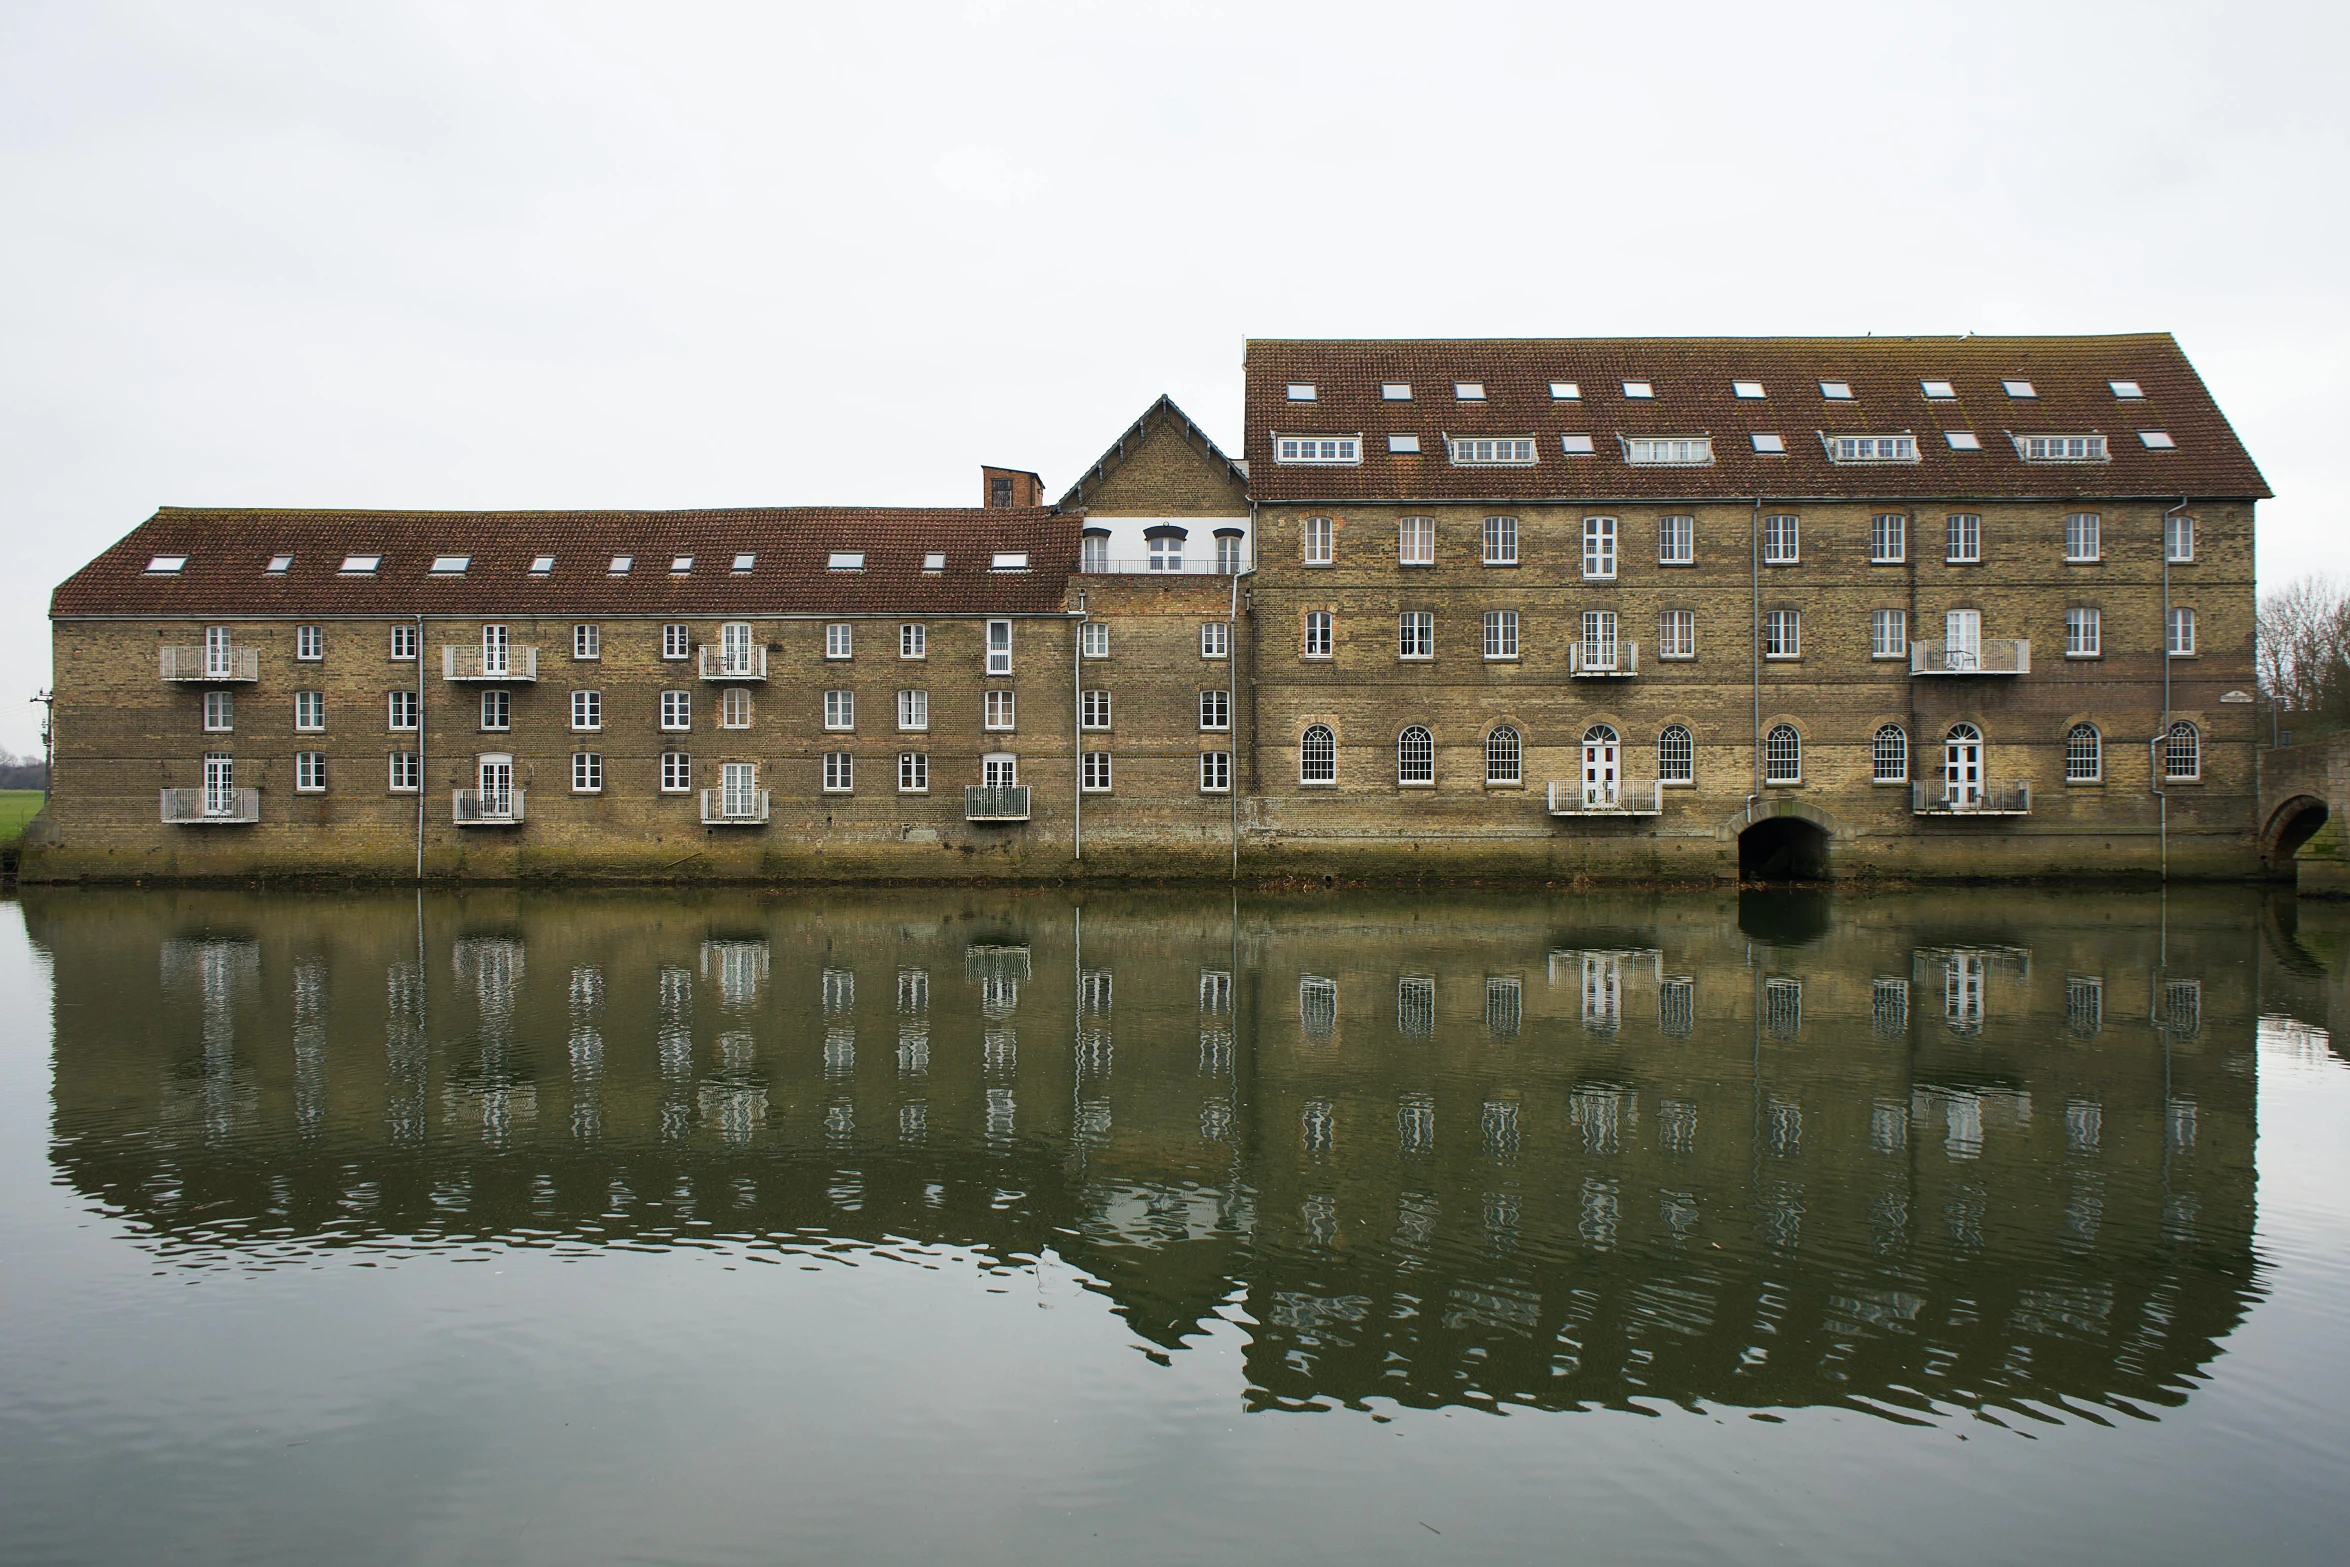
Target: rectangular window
(999, 770)
(1676, 541)
(2178, 538)
(1669, 451)
(676, 641)
(1215, 772)
(403, 643)
(1779, 540)
(913, 772)
(1093, 639)
(587, 642)
(999, 647)
(497, 710)
(1872, 448)
(840, 709)
(839, 640)
(587, 772)
(677, 772)
(677, 710)
(587, 710)
(406, 773)
(309, 771)
(2083, 635)
(1599, 548)
(1318, 542)
(1782, 634)
(1317, 643)
(1415, 634)
(1888, 538)
(1501, 541)
(220, 711)
(2182, 633)
(734, 708)
(913, 640)
(1415, 541)
(403, 705)
(1599, 639)
(1318, 449)
(1215, 639)
(309, 643)
(913, 710)
(1093, 552)
(1501, 633)
(1964, 538)
(1093, 709)
(1215, 710)
(2081, 541)
(310, 710)
(1227, 552)
(1676, 634)
(2060, 448)
(1507, 451)
(840, 772)
(1093, 772)
(1888, 633)
(996, 712)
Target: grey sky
(435, 255)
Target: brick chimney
(1010, 487)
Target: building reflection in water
(1902, 1155)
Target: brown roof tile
(1692, 379)
(228, 552)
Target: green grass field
(17, 807)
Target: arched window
(2084, 755)
(1600, 734)
(1676, 755)
(1783, 755)
(1502, 756)
(2182, 752)
(1889, 755)
(1415, 756)
(1317, 755)
(1965, 733)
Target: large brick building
(1674, 608)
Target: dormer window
(450, 565)
(1938, 390)
(1508, 451)
(1770, 445)
(1469, 391)
(2019, 389)
(1668, 451)
(1565, 392)
(936, 560)
(1872, 448)
(2060, 448)
(1318, 448)
(1639, 389)
(361, 565)
(681, 564)
(845, 560)
(2157, 440)
(279, 565)
(745, 562)
(166, 565)
(1301, 391)
(1396, 391)
(1746, 389)
(1008, 560)
(621, 564)
(1836, 391)
(2126, 389)
(540, 565)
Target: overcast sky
(488, 255)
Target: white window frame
(1093, 639)
(840, 772)
(1415, 541)
(2073, 753)
(310, 644)
(999, 647)
(913, 711)
(1848, 449)
(587, 642)
(913, 639)
(734, 708)
(1676, 763)
(1889, 538)
(999, 712)
(1343, 451)
(1215, 712)
(402, 710)
(2170, 751)
(403, 644)
(310, 712)
(497, 712)
(403, 773)
(1215, 639)
(1782, 634)
(2084, 632)
(1676, 634)
(1415, 635)
(677, 711)
(310, 772)
(2178, 540)
(2179, 635)
(2060, 448)
(1093, 709)
(1599, 549)
(1501, 636)
(1492, 451)
(587, 711)
(1505, 760)
(587, 772)
(1094, 772)
(1676, 540)
(677, 640)
(840, 640)
(1772, 760)
(1317, 541)
(1500, 541)
(677, 772)
(1317, 781)
(1963, 539)
(1782, 540)
(2084, 540)
(840, 710)
(220, 711)
(1668, 451)
(1215, 772)
(1319, 635)
(1888, 633)
(913, 772)
(1898, 773)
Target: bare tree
(2304, 653)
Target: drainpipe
(1077, 730)
(1754, 638)
(2158, 751)
(1232, 675)
(420, 761)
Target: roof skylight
(1836, 391)
(281, 563)
(2157, 440)
(166, 565)
(1746, 388)
(745, 561)
(1301, 391)
(845, 560)
(1469, 391)
(2126, 389)
(1638, 389)
(1575, 445)
(2019, 389)
(1008, 560)
(1396, 391)
(1938, 389)
(450, 565)
(621, 563)
(681, 563)
(1766, 442)
(540, 565)
(1962, 440)
(1403, 443)
(362, 565)
(936, 560)
(1565, 391)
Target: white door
(1962, 766)
(493, 650)
(216, 653)
(1602, 767)
(999, 770)
(738, 789)
(497, 786)
(220, 785)
(734, 648)
(1603, 991)
(1962, 637)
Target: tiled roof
(1165, 407)
(1693, 396)
(228, 554)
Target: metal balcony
(211, 807)
(472, 808)
(467, 663)
(1599, 659)
(1996, 656)
(995, 802)
(743, 664)
(1631, 797)
(209, 668)
(739, 810)
(1940, 799)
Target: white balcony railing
(1996, 656)
(470, 663)
(738, 664)
(1601, 659)
(735, 808)
(1193, 564)
(486, 807)
(212, 807)
(1942, 799)
(995, 802)
(1627, 797)
(211, 666)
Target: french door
(738, 789)
(1962, 766)
(1603, 762)
(497, 786)
(495, 650)
(220, 784)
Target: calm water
(987, 1226)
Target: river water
(990, 1226)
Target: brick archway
(2289, 826)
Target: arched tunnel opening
(2291, 825)
(1783, 848)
